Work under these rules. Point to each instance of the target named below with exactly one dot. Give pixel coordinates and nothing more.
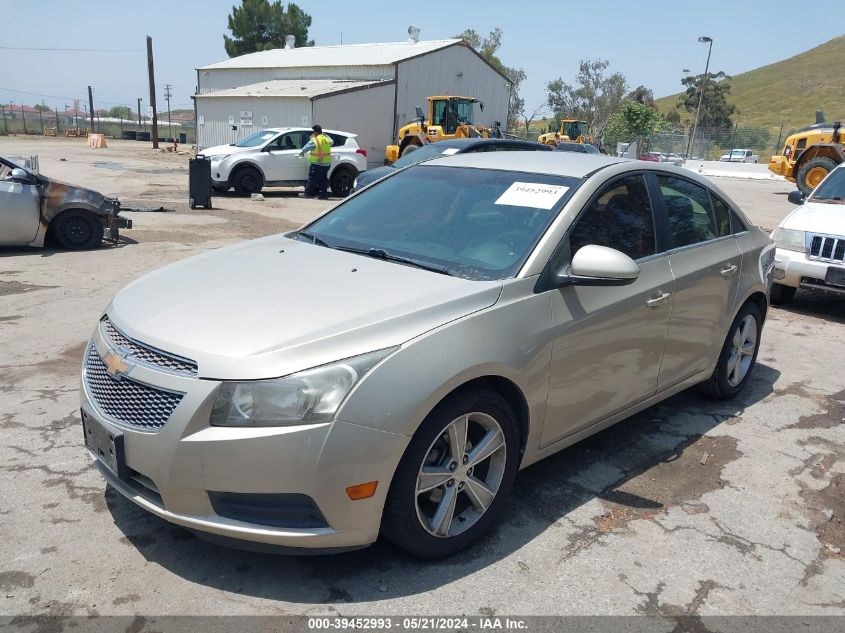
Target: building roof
(340, 55)
(305, 88)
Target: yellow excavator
(448, 117)
(810, 154)
(571, 130)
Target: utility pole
(702, 40)
(152, 90)
(91, 107)
(167, 95)
(139, 113)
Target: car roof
(571, 164)
(472, 142)
(305, 129)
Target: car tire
(342, 180)
(77, 230)
(738, 356)
(248, 180)
(811, 173)
(412, 519)
(781, 295)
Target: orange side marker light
(362, 491)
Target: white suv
(811, 241)
(270, 158)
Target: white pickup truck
(739, 156)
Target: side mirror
(795, 197)
(20, 175)
(595, 265)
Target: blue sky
(650, 41)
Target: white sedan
(811, 242)
(270, 158)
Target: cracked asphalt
(692, 507)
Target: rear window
(337, 139)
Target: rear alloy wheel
(781, 295)
(738, 356)
(248, 180)
(812, 172)
(77, 230)
(452, 482)
(342, 180)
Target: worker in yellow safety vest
(321, 161)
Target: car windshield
(832, 189)
(476, 224)
(254, 140)
(426, 152)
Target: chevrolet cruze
(389, 367)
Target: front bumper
(793, 268)
(178, 471)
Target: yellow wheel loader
(810, 154)
(448, 117)
(568, 130)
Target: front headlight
(789, 239)
(306, 397)
(217, 159)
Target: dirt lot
(688, 508)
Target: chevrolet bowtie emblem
(115, 364)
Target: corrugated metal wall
(456, 71)
(367, 113)
(214, 112)
(225, 78)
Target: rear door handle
(663, 297)
(727, 272)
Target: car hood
(275, 306)
(817, 217)
(223, 150)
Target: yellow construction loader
(448, 117)
(810, 154)
(569, 130)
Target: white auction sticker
(532, 194)
(449, 151)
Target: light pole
(704, 40)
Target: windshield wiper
(379, 253)
(314, 239)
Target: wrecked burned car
(34, 208)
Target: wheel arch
(820, 150)
(508, 390)
(241, 165)
(757, 297)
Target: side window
(338, 139)
(286, 142)
(723, 214)
(691, 218)
(619, 218)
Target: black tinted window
(691, 217)
(722, 214)
(337, 139)
(619, 218)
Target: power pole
(152, 90)
(91, 107)
(167, 95)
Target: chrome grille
(829, 248)
(145, 355)
(125, 400)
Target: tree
(261, 25)
(528, 118)
(641, 94)
(41, 107)
(715, 110)
(120, 112)
(593, 98)
(488, 48)
(673, 118)
(634, 121)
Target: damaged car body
(35, 208)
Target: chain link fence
(50, 122)
(712, 143)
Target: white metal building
(368, 89)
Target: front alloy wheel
(460, 475)
(452, 482)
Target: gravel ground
(689, 508)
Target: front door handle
(660, 298)
(727, 272)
